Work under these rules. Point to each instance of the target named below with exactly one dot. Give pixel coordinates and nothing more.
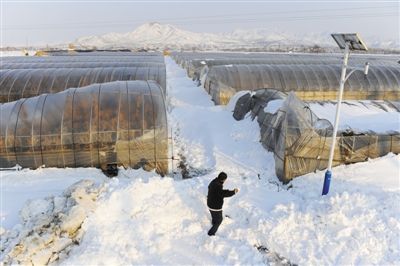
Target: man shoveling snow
(215, 200)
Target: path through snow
(156, 220)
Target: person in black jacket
(215, 200)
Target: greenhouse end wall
(121, 122)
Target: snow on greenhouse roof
(357, 116)
(361, 116)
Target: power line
(221, 21)
(96, 24)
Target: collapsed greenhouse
(300, 139)
(24, 83)
(121, 122)
(309, 82)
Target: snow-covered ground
(16, 53)
(141, 218)
(18, 187)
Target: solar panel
(352, 39)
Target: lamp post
(346, 41)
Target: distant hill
(155, 35)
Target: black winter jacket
(216, 194)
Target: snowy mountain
(154, 35)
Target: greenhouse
(4, 65)
(97, 53)
(89, 56)
(82, 58)
(309, 82)
(24, 83)
(199, 67)
(301, 139)
(192, 61)
(121, 122)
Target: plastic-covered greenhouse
(181, 57)
(23, 83)
(121, 122)
(301, 140)
(4, 65)
(195, 68)
(194, 62)
(309, 82)
(81, 58)
(99, 52)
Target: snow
(19, 186)
(51, 226)
(140, 218)
(359, 116)
(273, 106)
(16, 53)
(156, 35)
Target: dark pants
(216, 221)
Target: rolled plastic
(122, 122)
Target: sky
(27, 23)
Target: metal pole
(328, 173)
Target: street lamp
(346, 41)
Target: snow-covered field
(16, 53)
(140, 218)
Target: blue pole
(328, 174)
(327, 182)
